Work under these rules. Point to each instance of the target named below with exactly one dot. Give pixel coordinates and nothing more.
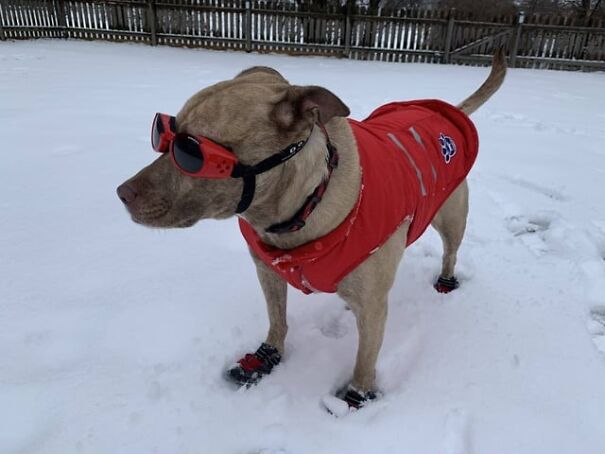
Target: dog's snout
(126, 193)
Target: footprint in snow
(599, 237)
(596, 327)
(521, 225)
(546, 191)
(539, 125)
(456, 437)
(530, 231)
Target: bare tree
(481, 8)
(398, 4)
(582, 9)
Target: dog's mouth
(151, 215)
(185, 223)
(161, 219)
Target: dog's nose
(126, 193)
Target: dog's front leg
(366, 291)
(253, 366)
(275, 290)
(371, 316)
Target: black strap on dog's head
(248, 173)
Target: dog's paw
(355, 398)
(347, 400)
(252, 367)
(446, 285)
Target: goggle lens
(156, 132)
(196, 156)
(187, 154)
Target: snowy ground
(113, 337)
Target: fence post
(516, 38)
(152, 19)
(60, 11)
(2, 35)
(248, 26)
(449, 35)
(348, 28)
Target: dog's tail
(489, 87)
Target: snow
(113, 337)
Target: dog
(304, 182)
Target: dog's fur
(256, 114)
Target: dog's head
(256, 114)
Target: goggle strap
(247, 192)
(278, 158)
(248, 173)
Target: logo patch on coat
(448, 147)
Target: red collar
(298, 221)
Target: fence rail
(350, 31)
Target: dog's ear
(309, 103)
(260, 69)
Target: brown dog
(255, 115)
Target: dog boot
(253, 366)
(355, 398)
(446, 285)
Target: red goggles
(200, 157)
(195, 156)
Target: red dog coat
(412, 155)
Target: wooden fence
(406, 35)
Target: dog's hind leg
(450, 222)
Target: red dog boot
(446, 285)
(253, 366)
